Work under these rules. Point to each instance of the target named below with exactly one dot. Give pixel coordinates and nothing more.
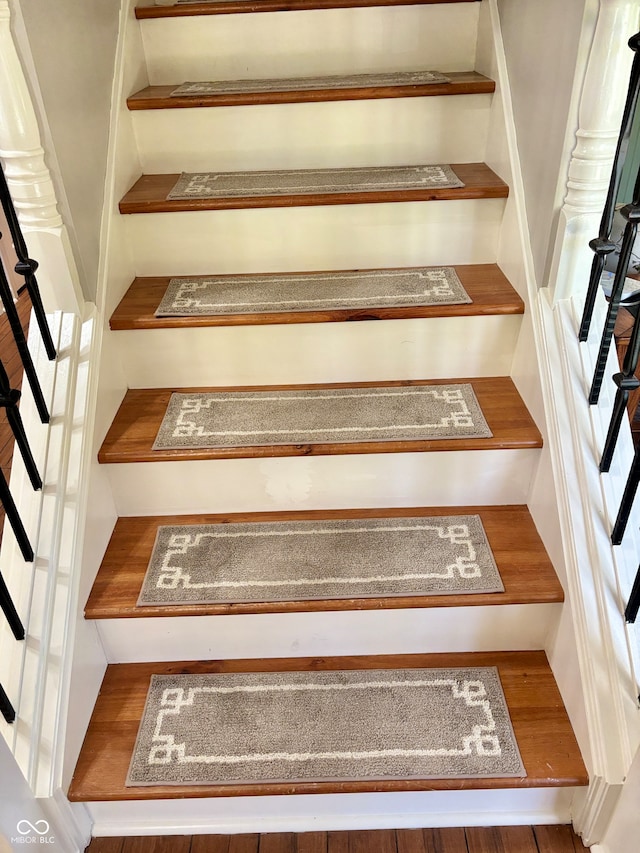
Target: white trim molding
(30, 182)
(607, 71)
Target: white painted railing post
(30, 182)
(601, 105)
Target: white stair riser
(324, 812)
(395, 131)
(336, 41)
(333, 237)
(319, 352)
(356, 632)
(452, 478)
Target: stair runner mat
(325, 726)
(312, 181)
(320, 416)
(256, 294)
(325, 559)
(302, 84)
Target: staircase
(270, 245)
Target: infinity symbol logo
(41, 827)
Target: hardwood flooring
(135, 426)
(149, 194)
(525, 568)
(502, 839)
(487, 286)
(548, 747)
(462, 83)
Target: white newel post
(601, 105)
(30, 182)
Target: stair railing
(9, 398)
(626, 380)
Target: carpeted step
(523, 720)
(393, 417)
(291, 188)
(511, 541)
(226, 7)
(403, 84)
(265, 299)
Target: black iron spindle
(14, 519)
(21, 343)
(9, 610)
(633, 605)
(26, 266)
(6, 708)
(602, 245)
(9, 401)
(630, 489)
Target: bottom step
(547, 746)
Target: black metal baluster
(626, 380)
(633, 606)
(16, 327)
(626, 503)
(9, 401)
(6, 708)
(9, 610)
(26, 266)
(602, 245)
(14, 519)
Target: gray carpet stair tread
(239, 728)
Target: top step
(234, 7)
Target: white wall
(622, 833)
(541, 61)
(72, 45)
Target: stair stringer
(589, 652)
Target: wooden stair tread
(133, 431)
(486, 285)
(149, 194)
(231, 7)
(522, 561)
(462, 83)
(546, 741)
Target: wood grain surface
(135, 426)
(525, 568)
(486, 284)
(232, 7)
(149, 194)
(550, 839)
(462, 83)
(546, 741)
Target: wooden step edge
(488, 288)
(149, 194)
(525, 568)
(462, 83)
(548, 747)
(237, 7)
(135, 426)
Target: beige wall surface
(73, 44)
(541, 40)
